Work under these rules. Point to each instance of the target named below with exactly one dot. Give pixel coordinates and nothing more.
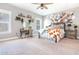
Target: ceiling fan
(42, 5)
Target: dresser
(72, 34)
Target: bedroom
(32, 31)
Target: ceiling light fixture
(42, 5)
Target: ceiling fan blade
(36, 3)
(42, 3)
(47, 3)
(38, 7)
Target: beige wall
(15, 25)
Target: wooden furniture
(27, 32)
(22, 31)
(71, 34)
(30, 32)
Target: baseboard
(7, 39)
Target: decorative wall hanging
(62, 18)
(20, 17)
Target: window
(38, 24)
(5, 21)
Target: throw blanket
(56, 33)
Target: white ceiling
(51, 8)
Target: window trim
(8, 22)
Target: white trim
(39, 24)
(7, 22)
(5, 11)
(7, 39)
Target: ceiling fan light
(42, 8)
(42, 5)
